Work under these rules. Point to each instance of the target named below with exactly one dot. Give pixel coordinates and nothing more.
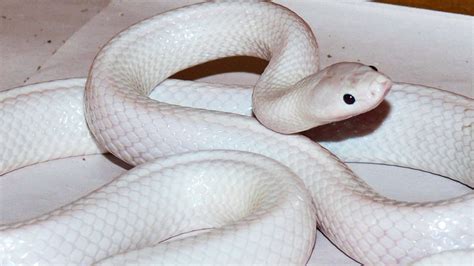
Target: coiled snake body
(269, 217)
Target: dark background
(453, 6)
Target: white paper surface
(410, 45)
(31, 32)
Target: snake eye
(349, 99)
(374, 68)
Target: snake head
(338, 92)
(344, 90)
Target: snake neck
(287, 110)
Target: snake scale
(204, 162)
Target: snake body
(367, 226)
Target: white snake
(266, 215)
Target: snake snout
(380, 87)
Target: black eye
(374, 68)
(349, 99)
